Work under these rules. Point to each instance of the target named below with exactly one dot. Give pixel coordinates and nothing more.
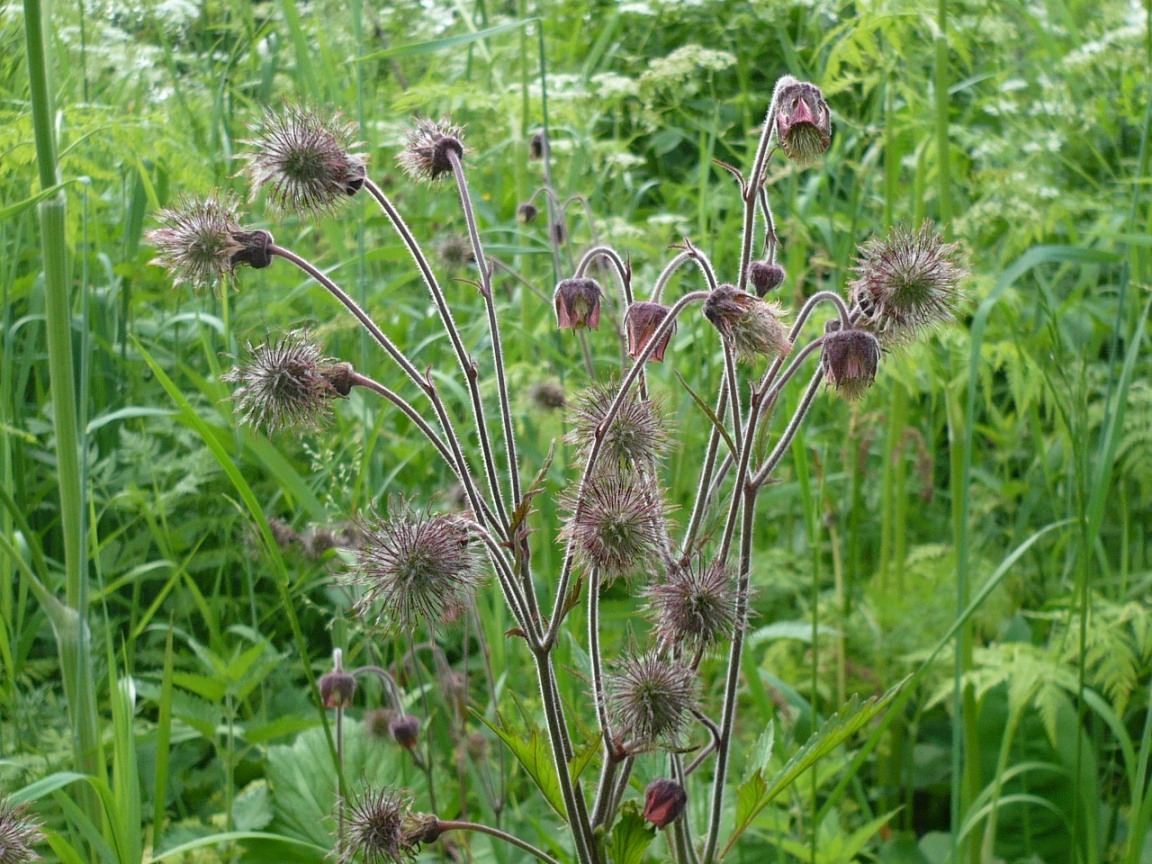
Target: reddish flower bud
(765, 277)
(640, 323)
(337, 689)
(406, 731)
(850, 359)
(527, 212)
(803, 120)
(664, 802)
(577, 303)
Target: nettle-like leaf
(756, 792)
(631, 836)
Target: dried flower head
(456, 252)
(548, 395)
(426, 155)
(749, 324)
(527, 212)
(648, 699)
(850, 359)
(577, 303)
(378, 723)
(694, 606)
(415, 567)
(905, 282)
(200, 241)
(19, 831)
(288, 383)
(337, 689)
(638, 434)
(617, 525)
(640, 323)
(376, 829)
(664, 802)
(765, 277)
(803, 120)
(306, 159)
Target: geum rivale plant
(412, 569)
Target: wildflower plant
(416, 570)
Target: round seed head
(749, 324)
(19, 832)
(548, 395)
(906, 282)
(287, 383)
(695, 606)
(803, 121)
(426, 155)
(456, 252)
(200, 241)
(765, 277)
(649, 699)
(415, 568)
(850, 359)
(617, 525)
(637, 436)
(306, 159)
(640, 323)
(376, 829)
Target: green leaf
(535, 754)
(434, 45)
(252, 809)
(708, 412)
(631, 836)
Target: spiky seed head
(640, 324)
(378, 723)
(306, 159)
(337, 689)
(548, 395)
(752, 326)
(456, 252)
(376, 829)
(695, 606)
(527, 212)
(648, 699)
(638, 434)
(766, 277)
(426, 154)
(906, 282)
(850, 358)
(617, 525)
(414, 567)
(803, 120)
(200, 241)
(664, 802)
(19, 832)
(406, 731)
(287, 383)
(577, 303)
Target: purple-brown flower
(426, 155)
(765, 277)
(640, 324)
(664, 802)
(803, 120)
(850, 359)
(337, 689)
(577, 303)
(406, 731)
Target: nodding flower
(578, 303)
(803, 120)
(640, 323)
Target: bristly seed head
(200, 241)
(377, 829)
(305, 157)
(695, 606)
(577, 303)
(750, 325)
(906, 282)
(617, 525)
(803, 120)
(648, 700)
(850, 358)
(640, 323)
(19, 831)
(288, 383)
(638, 434)
(415, 568)
(426, 155)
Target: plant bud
(406, 731)
(664, 802)
(337, 689)
(765, 277)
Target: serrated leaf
(535, 488)
(631, 836)
(252, 808)
(761, 750)
(535, 754)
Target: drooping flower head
(648, 700)
(850, 358)
(425, 156)
(906, 282)
(200, 241)
(640, 324)
(751, 325)
(664, 802)
(306, 158)
(638, 434)
(527, 212)
(765, 277)
(617, 525)
(803, 120)
(694, 606)
(337, 689)
(288, 383)
(577, 303)
(415, 568)
(19, 832)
